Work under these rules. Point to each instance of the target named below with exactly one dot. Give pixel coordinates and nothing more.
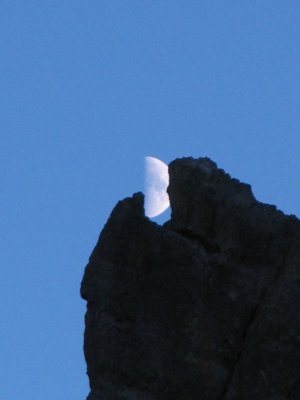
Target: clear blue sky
(87, 89)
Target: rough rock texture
(205, 307)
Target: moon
(156, 183)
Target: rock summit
(205, 307)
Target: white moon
(156, 183)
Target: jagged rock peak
(206, 306)
(199, 185)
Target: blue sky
(87, 89)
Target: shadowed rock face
(205, 307)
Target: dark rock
(205, 307)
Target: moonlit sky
(88, 88)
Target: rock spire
(206, 306)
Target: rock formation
(206, 307)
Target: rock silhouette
(205, 307)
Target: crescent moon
(156, 183)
